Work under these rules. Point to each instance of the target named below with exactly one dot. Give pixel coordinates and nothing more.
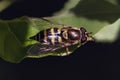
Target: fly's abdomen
(50, 36)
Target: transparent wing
(38, 49)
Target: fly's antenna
(88, 33)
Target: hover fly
(55, 38)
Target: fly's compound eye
(83, 39)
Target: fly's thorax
(71, 35)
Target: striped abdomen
(50, 36)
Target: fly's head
(85, 37)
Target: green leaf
(109, 33)
(115, 2)
(5, 3)
(101, 19)
(10, 47)
(14, 37)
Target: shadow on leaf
(98, 10)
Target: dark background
(93, 61)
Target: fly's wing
(39, 49)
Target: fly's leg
(67, 45)
(67, 51)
